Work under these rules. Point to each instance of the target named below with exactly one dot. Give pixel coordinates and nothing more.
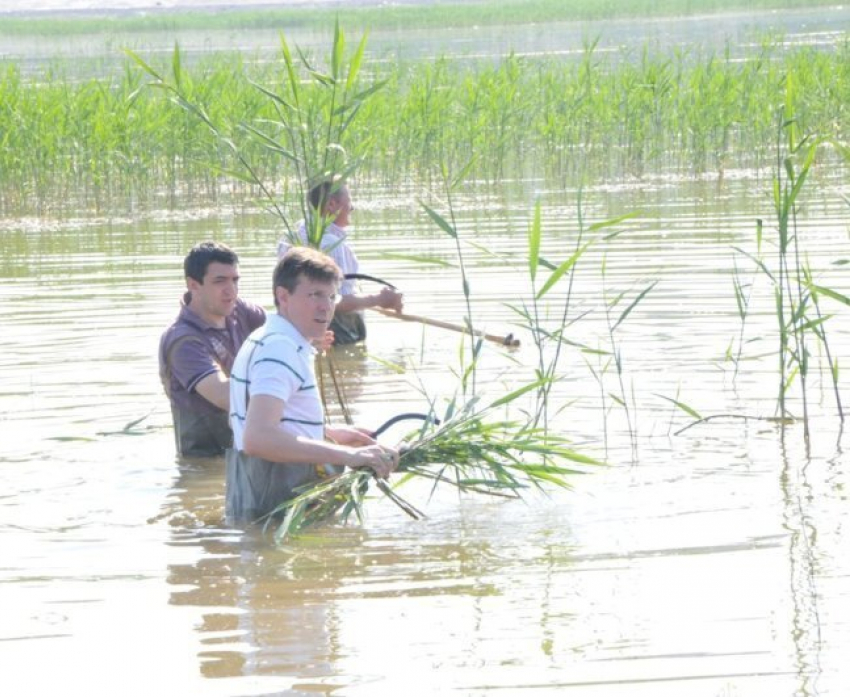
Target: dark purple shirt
(194, 349)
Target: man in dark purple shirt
(196, 352)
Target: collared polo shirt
(277, 360)
(191, 349)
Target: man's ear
(192, 284)
(281, 295)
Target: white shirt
(277, 360)
(335, 245)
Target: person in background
(197, 351)
(331, 200)
(280, 440)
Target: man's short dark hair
(307, 262)
(205, 253)
(324, 191)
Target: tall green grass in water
(305, 132)
(103, 143)
(800, 322)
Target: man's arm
(264, 438)
(387, 298)
(190, 363)
(349, 435)
(215, 388)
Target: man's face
(310, 307)
(340, 205)
(215, 298)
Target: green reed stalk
(796, 295)
(789, 290)
(550, 341)
(623, 398)
(450, 227)
(742, 296)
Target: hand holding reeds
(366, 452)
(467, 450)
(378, 458)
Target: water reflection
(254, 620)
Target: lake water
(737, 33)
(713, 562)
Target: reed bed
(108, 143)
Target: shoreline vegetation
(107, 143)
(372, 15)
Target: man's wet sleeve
(191, 362)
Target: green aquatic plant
(623, 397)
(743, 295)
(796, 295)
(794, 291)
(110, 142)
(448, 224)
(474, 449)
(547, 314)
(313, 112)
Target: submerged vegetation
(101, 143)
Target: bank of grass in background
(109, 144)
(379, 15)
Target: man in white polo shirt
(280, 441)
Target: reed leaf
(758, 262)
(633, 304)
(829, 293)
(419, 259)
(511, 396)
(559, 272)
(690, 411)
(612, 221)
(441, 222)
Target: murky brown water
(710, 563)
